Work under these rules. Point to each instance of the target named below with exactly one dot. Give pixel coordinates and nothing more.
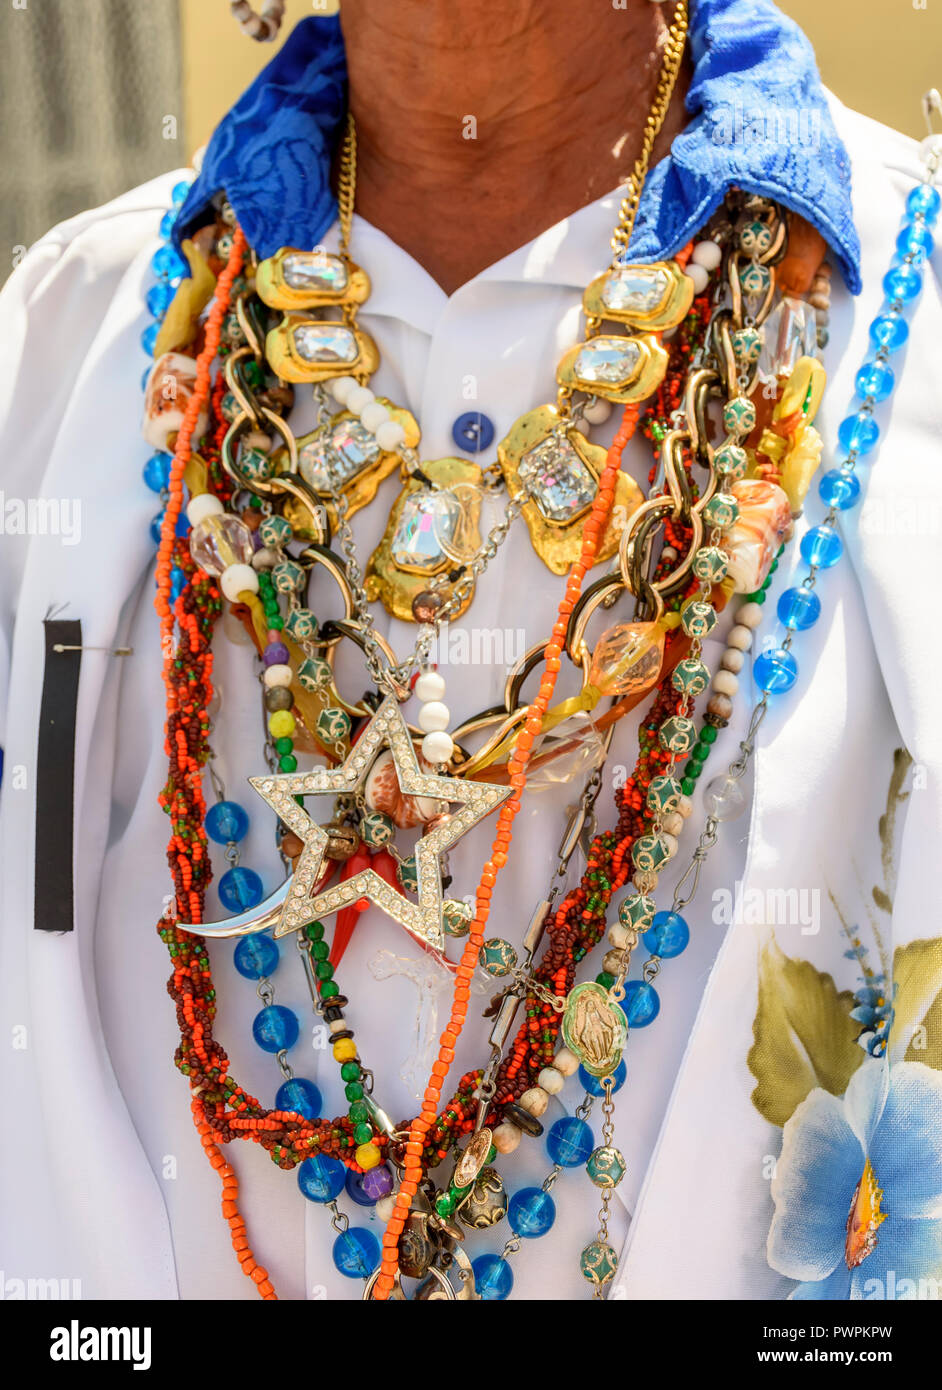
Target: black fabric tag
(53, 904)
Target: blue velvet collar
(759, 121)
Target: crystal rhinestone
(219, 541)
(724, 798)
(697, 618)
(607, 360)
(314, 270)
(710, 563)
(637, 911)
(557, 479)
(332, 462)
(663, 793)
(627, 659)
(325, 342)
(635, 288)
(690, 676)
(677, 734)
(721, 510)
(498, 957)
(426, 523)
(606, 1166)
(790, 333)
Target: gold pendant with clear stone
(429, 532)
(619, 368)
(307, 349)
(561, 468)
(654, 297)
(295, 279)
(347, 452)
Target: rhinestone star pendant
(387, 729)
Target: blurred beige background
(878, 56)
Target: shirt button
(473, 431)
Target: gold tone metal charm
(594, 1028)
(655, 296)
(345, 455)
(617, 368)
(561, 470)
(305, 349)
(294, 279)
(411, 551)
(473, 1158)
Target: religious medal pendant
(546, 455)
(432, 531)
(594, 1028)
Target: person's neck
(482, 123)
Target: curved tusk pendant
(262, 917)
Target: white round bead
(236, 579)
(390, 435)
(551, 1080)
(618, 936)
(750, 615)
(725, 683)
(359, 398)
(373, 415)
(429, 686)
(699, 276)
(707, 254)
(434, 716)
(506, 1138)
(437, 747)
(566, 1062)
(265, 559)
(534, 1101)
(279, 674)
(732, 660)
(684, 806)
(739, 638)
(385, 1207)
(597, 411)
(204, 504)
(341, 388)
(671, 843)
(673, 823)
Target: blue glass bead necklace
(775, 669)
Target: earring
(263, 27)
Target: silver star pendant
(295, 903)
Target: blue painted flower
(858, 1188)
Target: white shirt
(103, 1179)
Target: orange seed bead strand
(517, 764)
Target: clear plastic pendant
(627, 659)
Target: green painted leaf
(917, 974)
(804, 1035)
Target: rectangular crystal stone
(558, 480)
(427, 518)
(314, 270)
(325, 342)
(635, 288)
(609, 360)
(331, 462)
